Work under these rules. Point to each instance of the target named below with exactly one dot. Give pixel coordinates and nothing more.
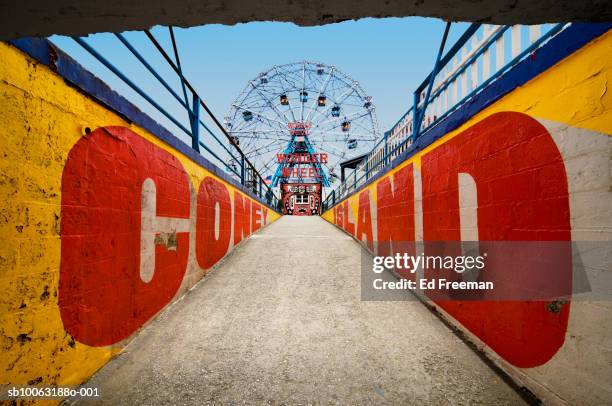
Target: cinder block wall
(102, 223)
(533, 166)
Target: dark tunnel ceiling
(79, 17)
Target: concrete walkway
(281, 321)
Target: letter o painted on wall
(212, 236)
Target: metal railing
(218, 145)
(479, 57)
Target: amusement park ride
(296, 123)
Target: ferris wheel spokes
(264, 150)
(278, 100)
(321, 93)
(341, 137)
(354, 116)
(261, 115)
(338, 102)
(273, 106)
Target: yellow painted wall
(42, 118)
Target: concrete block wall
(102, 223)
(536, 165)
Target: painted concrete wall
(534, 166)
(102, 226)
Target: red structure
(301, 199)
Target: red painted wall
(522, 195)
(103, 297)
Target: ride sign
(299, 128)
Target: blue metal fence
(482, 55)
(213, 141)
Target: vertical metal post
(195, 123)
(180, 73)
(355, 178)
(417, 116)
(367, 168)
(260, 195)
(386, 150)
(333, 197)
(242, 169)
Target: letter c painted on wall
(110, 180)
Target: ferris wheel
(340, 117)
